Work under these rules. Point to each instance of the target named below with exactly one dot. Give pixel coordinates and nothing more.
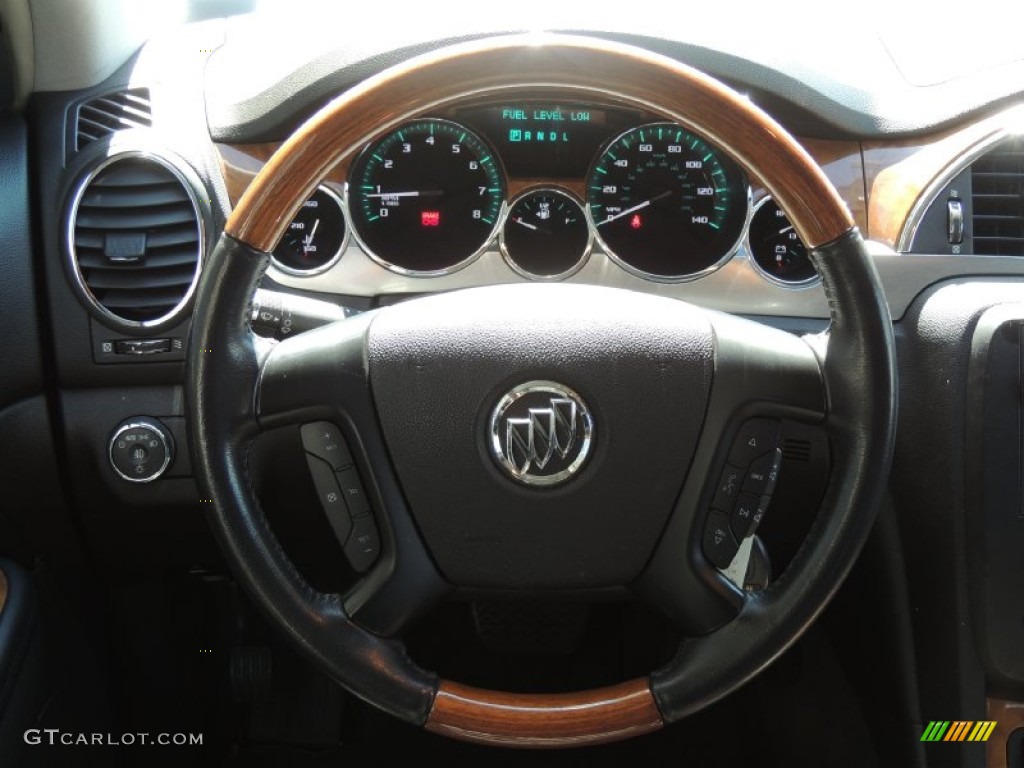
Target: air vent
(997, 183)
(136, 239)
(112, 112)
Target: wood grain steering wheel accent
(536, 720)
(571, 66)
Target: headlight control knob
(141, 449)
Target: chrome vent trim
(1003, 127)
(117, 111)
(135, 237)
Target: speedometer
(426, 198)
(666, 204)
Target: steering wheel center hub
(535, 429)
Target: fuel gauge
(776, 248)
(546, 235)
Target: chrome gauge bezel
(580, 261)
(792, 285)
(487, 244)
(338, 198)
(650, 276)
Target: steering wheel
(655, 391)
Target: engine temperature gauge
(316, 237)
(546, 235)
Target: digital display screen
(539, 139)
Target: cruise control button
(323, 439)
(728, 487)
(719, 544)
(755, 438)
(742, 516)
(331, 498)
(763, 473)
(363, 544)
(355, 495)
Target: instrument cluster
(548, 184)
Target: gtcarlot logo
(55, 737)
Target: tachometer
(426, 198)
(667, 204)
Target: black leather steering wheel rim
(224, 377)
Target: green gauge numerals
(427, 197)
(666, 203)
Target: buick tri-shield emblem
(541, 433)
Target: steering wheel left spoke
(319, 380)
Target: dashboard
(499, 186)
(534, 189)
(753, 264)
(135, 173)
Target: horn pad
(541, 433)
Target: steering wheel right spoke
(762, 376)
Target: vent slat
(123, 110)
(135, 197)
(135, 218)
(112, 112)
(998, 239)
(129, 279)
(135, 302)
(130, 176)
(103, 123)
(92, 259)
(95, 126)
(168, 237)
(1009, 175)
(171, 236)
(997, 200)
(136, 239)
